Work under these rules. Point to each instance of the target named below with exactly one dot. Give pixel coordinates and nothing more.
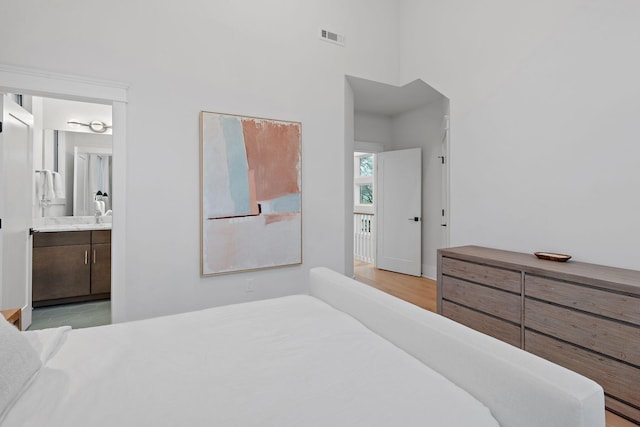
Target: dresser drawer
(619, 380)
(605, 336)
(619, 407)
(492, 276)
(597, 301)
(491, 301)
(500, 329)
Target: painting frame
(250, 193)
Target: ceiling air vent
(332, 37)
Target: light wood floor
(422, 292)
(416, 290)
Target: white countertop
(70, 227)
(71, 223)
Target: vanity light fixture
(96, 125)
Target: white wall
(249, 57)
(423, 128)
(373, 128)
(544, 120)
(349, 147)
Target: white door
(399, 211)
(15, 204)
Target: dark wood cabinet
(71, 266)
(582, 316)
(100, 262)
(60, 272)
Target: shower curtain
(93, 175)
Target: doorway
(76, 88)
(392, 118)
(365, 197)
(73, 217)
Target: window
(364, 189)
(366, 165)
(366, 194)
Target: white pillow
(18, 363)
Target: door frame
(48, 84)
(446, 182)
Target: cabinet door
(101, 268)
(61, 272)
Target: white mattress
(292, 361)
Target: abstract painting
(251, 193)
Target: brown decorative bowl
(550, 256)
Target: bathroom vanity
(71, 264)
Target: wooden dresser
(582, 316)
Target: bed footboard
(519, 388)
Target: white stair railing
(364, 241)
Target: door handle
(415, 218)
(86, 256)
(94, 256)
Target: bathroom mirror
(58, 153)
(63, 126)
(92, 170)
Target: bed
(344, 355)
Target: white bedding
(292, 361)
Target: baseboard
(430, 272)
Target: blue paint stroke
(285, 204)
(237, 163)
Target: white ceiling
(388, 100)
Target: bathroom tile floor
(82, 315)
